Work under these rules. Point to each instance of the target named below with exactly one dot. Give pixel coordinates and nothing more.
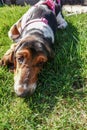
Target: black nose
(25, 94)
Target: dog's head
(28, 58)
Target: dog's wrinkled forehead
(33, 45)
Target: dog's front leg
(62, 24)
(8, 58)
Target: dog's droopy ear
(15, 31)
(41, 59)
(8, 58)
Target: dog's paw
(62, 25)
(10, 66)
(1, 62)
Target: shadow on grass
(59, 76)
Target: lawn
(60, 100)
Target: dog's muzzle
(24, 89)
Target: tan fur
(30, 63)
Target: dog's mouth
(24, 89)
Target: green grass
(60, 100)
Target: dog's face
(26, 71)
(27, 65)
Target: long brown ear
(8, 58)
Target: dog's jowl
(33, 35)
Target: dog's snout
(24, 90)
(24, 94)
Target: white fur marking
(30, 88)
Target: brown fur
(33, 65)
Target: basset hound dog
(33, 35)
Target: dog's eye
(20, 59)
